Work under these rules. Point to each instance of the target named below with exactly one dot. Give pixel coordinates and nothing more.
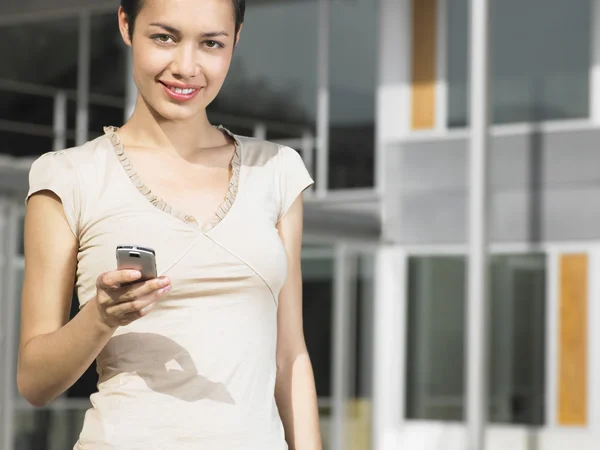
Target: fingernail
(135, 275)
(148, 308)
(164, 290)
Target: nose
(186, 63)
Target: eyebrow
(172, 30)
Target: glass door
(55, 426)
(352, 371)
(338, 323)
(338, 291)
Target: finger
(141, 313)
(123, 309)
(139, 290)
(136, 305)
(126, 319)
(117, 278)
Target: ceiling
(22, 11)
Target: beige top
(198, 372)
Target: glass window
(40, 53)
(101, 116)
(265, 85)
(317, 304)
(47, 429)
(317, 295)
(352, 77)
(436, 294)
(318, 291)
(540, 52)
(18, 275)
(21, 238)
(107, 57)
(107, 72)
(358, 418)
(23, 144)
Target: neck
(185, 137)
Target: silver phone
(137, 258)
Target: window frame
(553, 252)
(441, 130)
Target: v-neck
(223, 209)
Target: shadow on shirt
(165, 366)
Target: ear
(237, 36)
(124, 26)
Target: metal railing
(301, 137)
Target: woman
(211, 353)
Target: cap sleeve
(55, 172)
(293, 178)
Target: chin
(177, 112)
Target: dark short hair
(133, 7)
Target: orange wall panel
(573, 340)
(424, 76)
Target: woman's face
(181, 51)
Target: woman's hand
(121, 300)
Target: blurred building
(374, 96)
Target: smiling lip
(179, 92)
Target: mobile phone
(137, 258)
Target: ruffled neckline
(235, 164)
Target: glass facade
(436, 350)
(57, 425)
(352, 83)
(359, 411)
(108, 62)
(39, 54)
(46, 429)
(540, 60)
(541, 64)
(318, 273)
(266, 91)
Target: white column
(11, 213)
(389, 347)
(4, 374)
(323, 98)
(260, 131)
(308, 153)
(130, 87)
(393, 108)
(477, 336)
(552, 336)
(344, 303)
(441, 94)
(83, 78)
(595, 63)
(593, 341)
(60, 121)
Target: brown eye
(213, 44)
(163, 38)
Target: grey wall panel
(544, 186)
(425, 166)
(516, 161)
(429, 219)
(516, 216)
